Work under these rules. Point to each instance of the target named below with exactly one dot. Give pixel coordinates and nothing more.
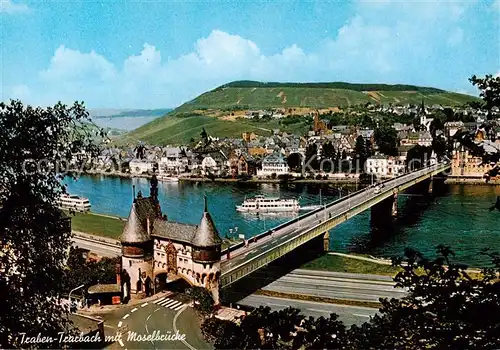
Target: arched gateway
(153, 246)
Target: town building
(173, 161)
(156, 250)
(273, 164)
(384, 166)
(140, 166)
(464, 164)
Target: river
(457, 217)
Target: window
(204, 266)
(130, 263)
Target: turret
(135, 238)
(206, 242)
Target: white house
(139, 166)
(273, 164)
(383, 166)
(208, 163)
(173, 161)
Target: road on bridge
(241, 255)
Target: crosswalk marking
(158, 301)
(171, 304)
(178, 307)
(168, 303)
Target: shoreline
(346, 181)
(469, 181)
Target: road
(347, 314)
(269, 242)
(166, 317)
(99, 248)
(336, 285)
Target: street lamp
(71, 291)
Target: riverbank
(471, 181)
(368, 265)
(108, 227)
(339, 180)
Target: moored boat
(67, 202)
(168, 178)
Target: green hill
(218, 110)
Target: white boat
(168, 178)
(261, 204)
(67, 201)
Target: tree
(417, 157)
(328, 153)
(386, 139)
(36, 144)
(490, 90)
(203, 300)
(294, 161)
(439, 145)
(445, 308)
(360, 152)
(78, 271)
(312, 156)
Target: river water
(457, 217)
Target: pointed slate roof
(206, 234)
(136, 230)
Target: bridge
(239, 260)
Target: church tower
(206, 256)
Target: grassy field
(212, 110)
(105, 226)
(180, 130)
(97, 225)
(329, 262)
(286, 97)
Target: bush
(202, 299)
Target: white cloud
(368, 48)
(7, 6)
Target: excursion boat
(77, 203)
(261, 204)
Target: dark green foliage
(203, 300)
(294, 161)
(36, 145)
(490, 89)
(417, 157)
(360, 151)
(444, 309)
(79, 271)
(312, 156)
(334, 85)
(386, 139)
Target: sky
(160, 54)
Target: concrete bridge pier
(326, 241)
(383, 212)
(394, 212)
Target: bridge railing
(318, 210)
